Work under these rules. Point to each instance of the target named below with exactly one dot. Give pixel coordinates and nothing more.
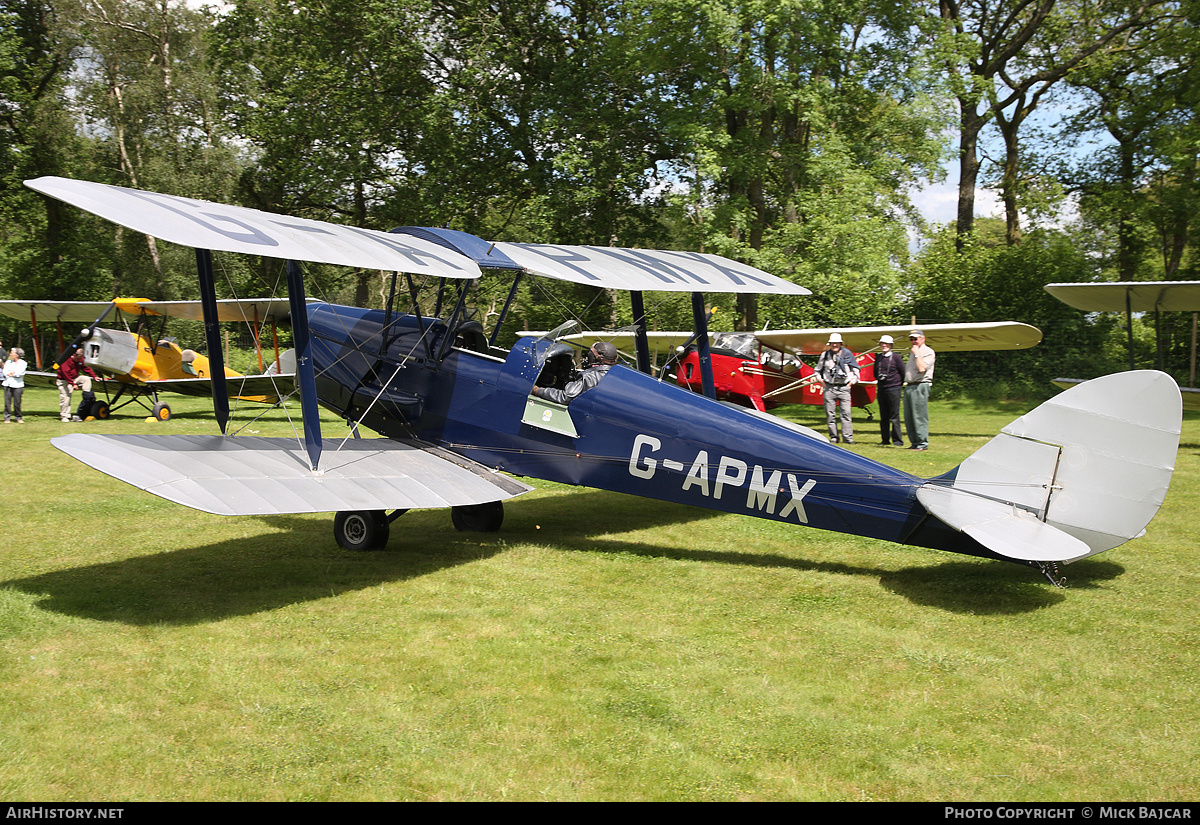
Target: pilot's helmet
(605, 351)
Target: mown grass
(598, 647)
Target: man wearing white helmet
(837, 372)
(889, 379)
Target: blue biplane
(1081, 474)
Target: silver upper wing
(206, 225)
(650, 270)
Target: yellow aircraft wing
(73, 312)
(40, 379)
(250, 387)
(262, 310)
(240, 386)
(1000, 335)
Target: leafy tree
(968, 280)
(45, 250)
(1003, 57)
(547, 122)
(145, 92)
(329, 96)
(802, 126)
(1142, 186)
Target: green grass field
(600, 647)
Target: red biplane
(764, 369)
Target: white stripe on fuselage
(731, 472)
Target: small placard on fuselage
(547, 415)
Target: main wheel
(361, 529)
(478, 518)
(101, 410)
(161, 411)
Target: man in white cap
(889, 380)
(837, 372)
(918, 378)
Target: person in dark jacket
(72, 374)
(597, 363)
(889, 378)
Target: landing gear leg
(1050, 571)
(478, 518)
(361, 529)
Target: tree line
(790, 134)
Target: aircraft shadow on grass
(299, 563)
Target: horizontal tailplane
(1080, 474)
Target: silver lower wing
(251, 476)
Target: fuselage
(633, 434)
(764, 380)
(136, 359)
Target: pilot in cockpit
(596, 362)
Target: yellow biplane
(138, 362)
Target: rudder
(1094, 463)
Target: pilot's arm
(590, 378)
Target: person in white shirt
(14, 385)
(918, 379)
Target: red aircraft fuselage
(747, 372)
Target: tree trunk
(970, 125)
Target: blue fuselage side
(635, 434)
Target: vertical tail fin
(1080, 474)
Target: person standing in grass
(918, 379)
(837, 371)
(14, 385)
(889, 379)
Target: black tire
(101, 410)
(478, 518)
(161, 411)
(361, 529)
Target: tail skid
(1081, 474)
